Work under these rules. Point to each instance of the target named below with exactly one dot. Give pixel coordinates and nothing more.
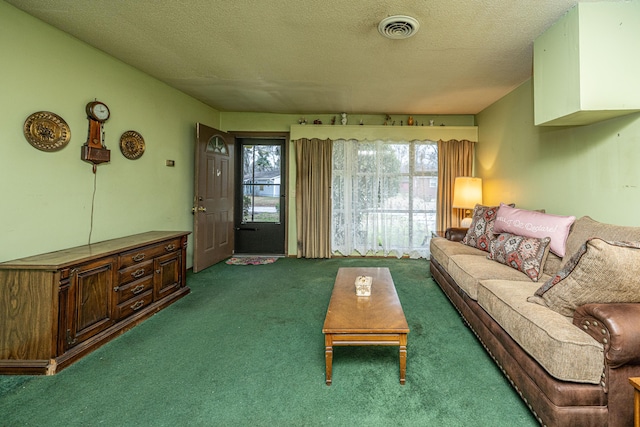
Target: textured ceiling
(301, 56)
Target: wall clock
(98, 111)
(94, 150)
(46, 131)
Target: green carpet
(246, 348)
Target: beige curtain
(313, 197)
(455, 158)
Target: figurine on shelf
(410, 121)
(317, 122)
(302, 121)
(333, 120)
(344, 118)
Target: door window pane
(261, 183)
(217, 145)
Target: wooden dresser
(57, 307)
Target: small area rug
(254, 260)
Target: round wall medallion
(46, 131)
(132, 144)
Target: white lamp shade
(467, 192)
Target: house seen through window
(261, 183)
(384, 197)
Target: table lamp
(467, 192)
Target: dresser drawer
(148, 252)
(135, 272)
(133, 289)
(129, 307)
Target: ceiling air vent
(398, 27)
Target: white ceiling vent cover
(398, 27)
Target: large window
(384, 197)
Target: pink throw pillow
(527, 223)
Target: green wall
(47, 196)
(583, 170)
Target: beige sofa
(570, 370)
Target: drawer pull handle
(138, 257)
(137, 305)
(138, 273)
(170, 247)
(138, 289)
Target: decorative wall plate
(132, 144)
(46, 131)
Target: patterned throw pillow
(585, 228)
(600, 272)
(526, 254)
(480, 232)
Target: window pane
(261, 183)
(337, 187)
(394, 191)
(394, 158)
(423, 224)
(425, 191)
(367, 157)
(261, 209)
(426, 158)
(338, 156)
(339, 221)
(366, 192)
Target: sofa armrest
(455, 234)
(616, 326)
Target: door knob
(202, 209)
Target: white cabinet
(585, 66)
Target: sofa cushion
(585, 228)
(480, 231)
(562, 349)
(600, 272)
(528, 223)
(469, 270)
(525, 254)
(441, 249)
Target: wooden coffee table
(374, 320)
